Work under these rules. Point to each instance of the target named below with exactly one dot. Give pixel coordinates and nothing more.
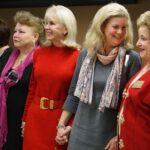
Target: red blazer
(135, 127)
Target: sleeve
(134, 64)
(31, 92)
(72, 101)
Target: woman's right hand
(22, 127)
(112, 144)
(62, 135)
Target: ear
(36, 37)
(65, 31)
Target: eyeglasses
(13, 76)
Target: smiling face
(115, 31)
(55, 31)
(143, 43)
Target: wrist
(60, 126)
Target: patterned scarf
(110, 95)
(8, 79)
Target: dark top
(4, 57)
(15, 106)
(93, 129)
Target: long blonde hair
(95, 38)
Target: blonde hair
(95, 38)
(67, 18)
(26, 18)
(144, 19)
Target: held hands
(62, 134)
(112, 144)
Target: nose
(16, 34)
(119, 31)
(47, 26)
(138, 43)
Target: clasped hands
(62, 134)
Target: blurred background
(84, 10)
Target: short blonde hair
(95, 38)
(67, 18)
(27, 18)
(144, 19)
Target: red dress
(52, 73)
(134, 117)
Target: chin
(48, 38)
(16, 46)
(116, 44)
(142, 54)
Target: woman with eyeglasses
(14, 79)
(53, 67)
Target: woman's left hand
(62, 135)
(112, 144)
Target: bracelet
(60, 126)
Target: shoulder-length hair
(67, 18)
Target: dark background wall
(83, 13)
(44, 3)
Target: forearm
(63, 129)
(65, 117)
